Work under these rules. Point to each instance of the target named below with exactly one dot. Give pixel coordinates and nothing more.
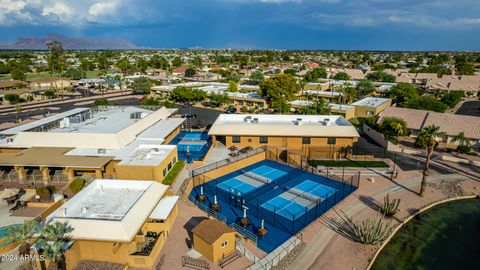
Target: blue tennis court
(295, 201)
(237, 185)
(284, 198)
(246, 181)
(314, 188)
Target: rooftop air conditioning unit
(255, 120)
(247, 119)
(136, 115)
(298, 122)
(102, 151)
(64, 123)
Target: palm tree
(22, 234)
(462, 140)
(429, 135)
(52, 238)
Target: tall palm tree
(429, 134)
(22, 234)
(52, 238)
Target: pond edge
(405, 221)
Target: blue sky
(249, 24)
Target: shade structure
(8, 192)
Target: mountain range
(69, 43)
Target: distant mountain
(69, 43)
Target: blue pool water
(192, 145)
(3, 230)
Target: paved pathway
(320, 241)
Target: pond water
(446, 236)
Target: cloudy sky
(263, 24)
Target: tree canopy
(187, 94)
(315, 74)
(426, 103)
(342, 76)
(320, 106)
(402, 93)
(141, 85)
(380, 76)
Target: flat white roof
(370, 102)
(301, 103)
(164, 207)
(343, 107)
(109, 210)
(41, 122)
(283, 125)
(109, 121)
(321, 93)
(161, 129)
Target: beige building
(213, 239)
(52, 83)
(303, 133)
(370, 106)
(117, 221)
(115, 142)
(450, 124)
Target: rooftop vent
(84, 210)
(136, 115)
(255, 120)
(102, 151)
(247, 119)
(298, 122)
(64, 212)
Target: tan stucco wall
(146, 172)
(361, 111)
(215, 251)
(290, 143)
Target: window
(306, 140)
(174, 160)
(263, 139)
(164, 172)
(236, 139)
(169, 166)
(331, 140)
(224, 244)
(369, 113)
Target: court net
(256, 177)
(300, 194)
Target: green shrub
(101, 102)
(389, 207)
(355, 122)
(464, 149)
(46, 193)
(244, 109)
(77, 184)
(368, 231)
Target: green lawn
(173, 173)
(349, 163)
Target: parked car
(189, 115)
(231, 111)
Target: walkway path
(322, 238)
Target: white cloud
(103, 8)
(60, 11)
(12, 10)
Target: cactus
(368, 231)
(389, 207)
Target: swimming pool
(4, 229)
(192, 145)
